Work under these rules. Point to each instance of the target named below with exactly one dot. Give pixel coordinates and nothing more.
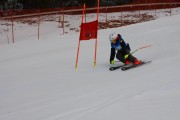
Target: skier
(120, 48)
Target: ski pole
(126, 56)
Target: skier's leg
(134, 59)
(131, 58)
(120, 57)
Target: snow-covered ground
(38, 80)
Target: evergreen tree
(89, 2)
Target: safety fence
(68, 20)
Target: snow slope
(38, 80)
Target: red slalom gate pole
(95, 52)
(77, 56)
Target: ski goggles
(114, 40)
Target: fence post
(139, 13)
(38, 25)
(63, 18)
(121, 17)
(106, 17)
(131, 13)
(170, 6)
(12, 19)
(155, 8)
(6, 31)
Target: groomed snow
(38, 80)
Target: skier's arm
(112, 54)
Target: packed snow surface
(38, 79)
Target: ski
(116, 67)
(133, 66)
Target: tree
(90, 2)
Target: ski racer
(120, 48)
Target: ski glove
(112, 62)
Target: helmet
(112, 37)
